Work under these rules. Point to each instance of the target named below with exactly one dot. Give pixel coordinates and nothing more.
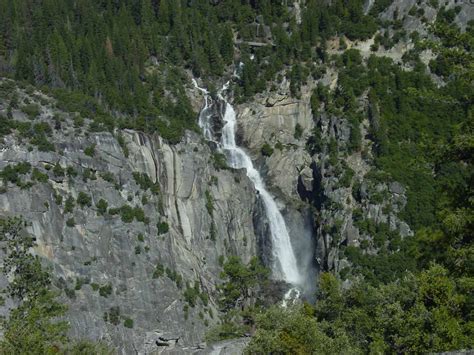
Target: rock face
(132, 262)
(284, 123)
(399, 10)
(128, 222)
(327, 191)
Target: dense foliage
(417, 314)
(104, 57)
(240, 294)
(414, 295)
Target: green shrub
(139, 215)
(128, 323)
(123, 144)
(219, 161)
(79, 282)
(114, 211)
(84, 199)
(78, 121)
(174, 276)
(209, 202)
(58, 198)
(145, 182)
(191, 294)
(346, 179)
(71, 222)
(69, 205)
(58, 170)
(71, 172)
(163, 228)
(108, 176)
(113, 316)
(105, 290)
(266, 150)
(102, 206)
(39, 176)
(88, 174)
(23, 128)
(333, 152)
(90, 150)
(32, 110)
(42, 143)
(42, 128)
(11, 172)
(159, 271)
(39, 137)
(5, 126)
(204, 299)
(298, 131)
(127, 213)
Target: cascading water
(204, 122)
(285, 265)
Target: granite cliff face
(173, 211)
(128, 223)
(326, 190)
(170, 216)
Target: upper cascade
(285, 266)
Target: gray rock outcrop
(114, 267)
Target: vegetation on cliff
(35, 324)
(101, 57)
(415, 294)
(123, 65)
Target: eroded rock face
(190, 213)
(316, 183)
(112, 268)
(284, 123)
(399, 9)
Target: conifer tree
(215, 60)
(227, 45)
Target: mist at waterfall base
(294, 269)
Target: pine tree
(164, 16)
(227, 45)
(147, 17)
(215, 60)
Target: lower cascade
(285, 266)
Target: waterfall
(285, 265)
(204, 122)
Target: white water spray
(285, 265)
(204, 121)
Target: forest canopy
(127, 56)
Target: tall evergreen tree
(227, 45)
